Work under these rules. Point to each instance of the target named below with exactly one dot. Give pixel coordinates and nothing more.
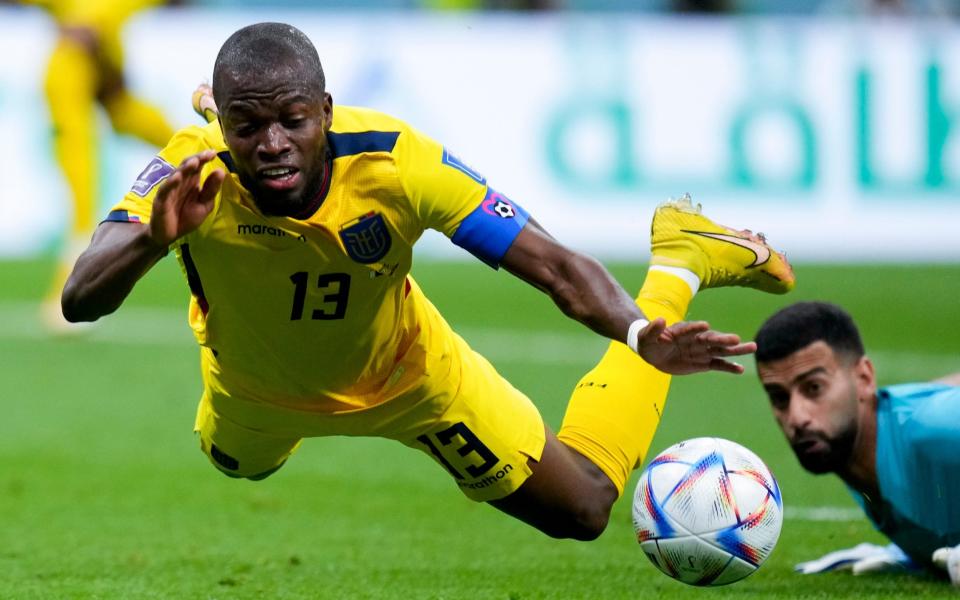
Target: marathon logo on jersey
(260, 229)
(367, 238)
(156, 171)
(452, 161)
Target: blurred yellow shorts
(472, 422)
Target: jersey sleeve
(450, 197)
(917, 463)
(136, 205)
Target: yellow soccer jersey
(319, 313)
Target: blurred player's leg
(70, 88)
(132, 116)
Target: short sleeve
(455, 199)
(137, 204)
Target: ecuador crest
(366, 238)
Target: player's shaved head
(274, 114)
(267, 50)
(799, 325)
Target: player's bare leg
(568, 496)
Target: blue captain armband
(490, 229)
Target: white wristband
(633, 333)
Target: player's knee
(582, 519)
(254, 477)
(232, 468)
(587, 521)
(265, 474)
(589, 510)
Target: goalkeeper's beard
(835, 458)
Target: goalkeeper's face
(820, 399)
(276, 127)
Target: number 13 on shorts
(468, 444)
(475, 466)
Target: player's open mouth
(810, 446)
(279, 178)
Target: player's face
(816, 397)
(276, 129)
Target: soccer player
(84, 71)
(895, 447)
(294, 221)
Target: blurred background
(831, 126)
(834, 124)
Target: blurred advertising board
(839, 139)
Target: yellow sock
(616, 407)
(132, 116)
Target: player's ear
(327, 109)
(866, 377)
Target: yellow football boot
(203, 104)
(681, 236)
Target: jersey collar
(314, 205)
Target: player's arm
(578, 284)
(118, 256)
(452, 198)
(121, 253)
(584, 290)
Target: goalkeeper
(895, 447)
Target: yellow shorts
(473, 423)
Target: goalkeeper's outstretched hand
(948, 559)
(862, 558)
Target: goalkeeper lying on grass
(895, 448)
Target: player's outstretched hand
(691, 347)
(181, 203)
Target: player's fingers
(689, 328)
(735, 350)
(167, 187)
(189, 164)
(211, 186)
(718, 338)
(191, 168)
(206, 156)
(192, 164)
(202, 158)
(725, 366)
(652, 331)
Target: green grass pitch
(104, 493)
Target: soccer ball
(707, 511)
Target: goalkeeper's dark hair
(266, 48)
(799, 325)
